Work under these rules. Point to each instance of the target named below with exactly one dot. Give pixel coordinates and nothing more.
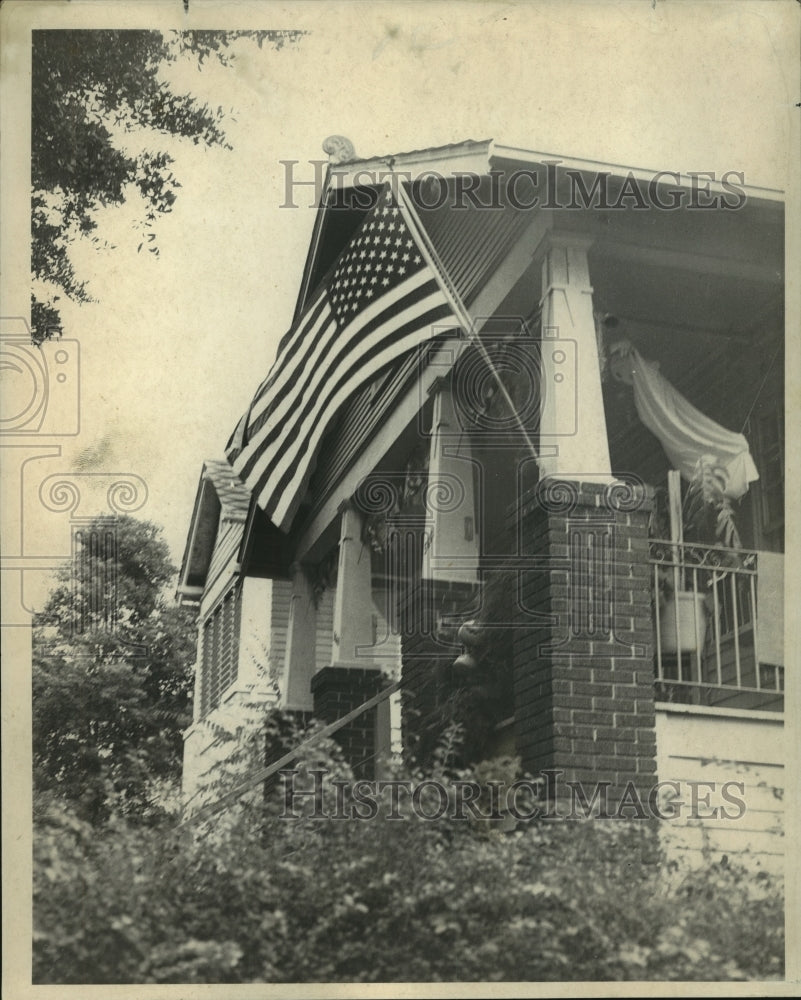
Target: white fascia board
(527, 156)
(445, 161)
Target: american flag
(379, 300)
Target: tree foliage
(89, 87)
(259, 893)
(112, 673)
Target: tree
(87, 85)
(112, 673)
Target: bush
(265, 899)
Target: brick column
(337, 691)
(583, 651)
(428, 652)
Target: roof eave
(527, 157)
(209, 505)
(471, 156)
(183, 587)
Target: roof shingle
(234, 496)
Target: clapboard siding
(325, 630)
(693, 843)
(279, 618)
(222, 568)
(229, 538)
(716, 746)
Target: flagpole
(462, 315)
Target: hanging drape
(686, 434)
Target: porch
(717, 626)
(696, 294)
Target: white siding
(265, 612)
(265, 617)
(387, 654)
(222, 568)
(280, 600)
(698, 745)
(325, 630)
(229, 536)
(254, 636)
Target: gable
(218, 518)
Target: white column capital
(573, 422)
(441, 384)
(452, 550)
(563, 239)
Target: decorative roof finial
(339, 149)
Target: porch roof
(483, 155)
(706, 276)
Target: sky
(175, 345)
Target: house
(486, 497)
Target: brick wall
(428, 651)
(583, 648)
(337, 691)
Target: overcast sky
(175, 345)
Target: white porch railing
(706, 625)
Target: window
(220, 655)
(770, 486)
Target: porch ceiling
(687, 284)
(677, 317)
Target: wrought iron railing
(706, 624)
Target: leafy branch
(89, 89)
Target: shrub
(262, 898)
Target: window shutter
(220, 650)
(208, 682)
(229, 638)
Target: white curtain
(685, 433)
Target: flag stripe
(282, 505)
(280, 451)
(292, 340)
(272, 423)
(320, 345)
(291, 367)
(285, 459)
(381, 298)
(261, 398)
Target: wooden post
(573, 421)
(299, 659)
(453, 546)
(353, 601)
(674, 506)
